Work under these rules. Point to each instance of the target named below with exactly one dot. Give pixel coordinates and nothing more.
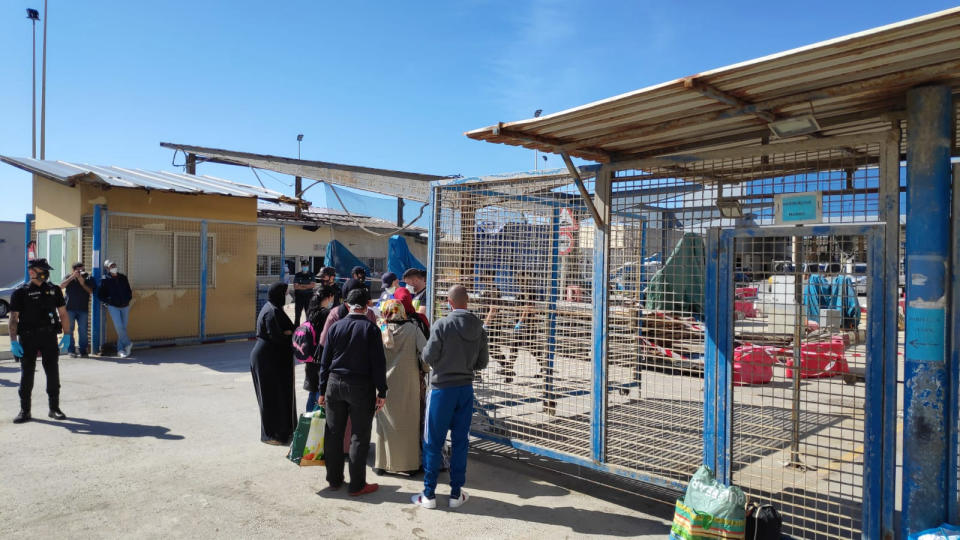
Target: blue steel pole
(711, 350)
(926, 386)
(601, 296)
(203, 279)
(283, 254)
(27, 237)
(550, 401)
(953, 452)
(97, 263)
(431, 250)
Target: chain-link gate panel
(656, 311)
(524, 250)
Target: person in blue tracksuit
(456, 349)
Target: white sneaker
(128, 348)
(122, 354)
(421, 500)
(457, 503)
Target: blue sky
(381, 84)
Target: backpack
(305, 341)
(763, 522)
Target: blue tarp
(399, 258)
(340, 258)
(821, 294)
(845, 299)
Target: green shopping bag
(300, 438)
(313, 448)
(709, 510)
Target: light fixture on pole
(43, 89)
(299, 140)
(536, 155)
(34, 16)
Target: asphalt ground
(166, 444)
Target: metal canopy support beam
(191, 165)
(601, 296)
(413, 186)
(709, 91)
(926, 386)
(583, 189)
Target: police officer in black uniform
(37, 314)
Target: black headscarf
(273, 322)
(277, 295)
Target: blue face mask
(305, 268)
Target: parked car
(5, 298)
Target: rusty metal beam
(709, 91)
(587, 200)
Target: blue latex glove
(65, 343)
(517, 327)
(16, 348)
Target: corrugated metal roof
(852, 84)
(73, 173)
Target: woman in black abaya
(272, 367)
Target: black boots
(24, 416)
(55, 411)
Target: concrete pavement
(166, 444)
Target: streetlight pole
(34, 16)
(298, 181)
(43, 89)
(536, 153)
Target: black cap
(78, 264)
(39, 263)
(328, 271)
(358, 270)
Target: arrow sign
(925, 335)
(567, 221)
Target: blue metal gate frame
(879, 482)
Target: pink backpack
(305, 340)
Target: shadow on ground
(231, 357)
(83, 426)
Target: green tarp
(678, 286)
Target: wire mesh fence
(525, 248)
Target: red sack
(752, 365)
(820, 360)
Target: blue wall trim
(203, 279)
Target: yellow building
(153, 225)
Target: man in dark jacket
(114, 291)
(353, 383)
(456, 349)
(304, 283)
(78, 286)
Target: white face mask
(328, 305)
(411, 288)
(114, 271)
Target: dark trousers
(45, 345)
(357, 402)
(300, 302)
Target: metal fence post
(724, 368)
(96, 314)
(550, 401)
(926, 386)
(710, 350)
(600, 293)
(953, 491)
(27, 237)
(203, 280)
(431, 250)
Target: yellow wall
(56, 206)
(163, 203)
(165, 313)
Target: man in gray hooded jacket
(456, 349)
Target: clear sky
(381, 84)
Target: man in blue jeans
(79, 286)
(456, 349)
(114, 291)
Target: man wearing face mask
(114, 291)
(37, 314)
(328, 277)
(416, 280)
(303, 283)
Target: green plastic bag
(709, 510)
(300, 438)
